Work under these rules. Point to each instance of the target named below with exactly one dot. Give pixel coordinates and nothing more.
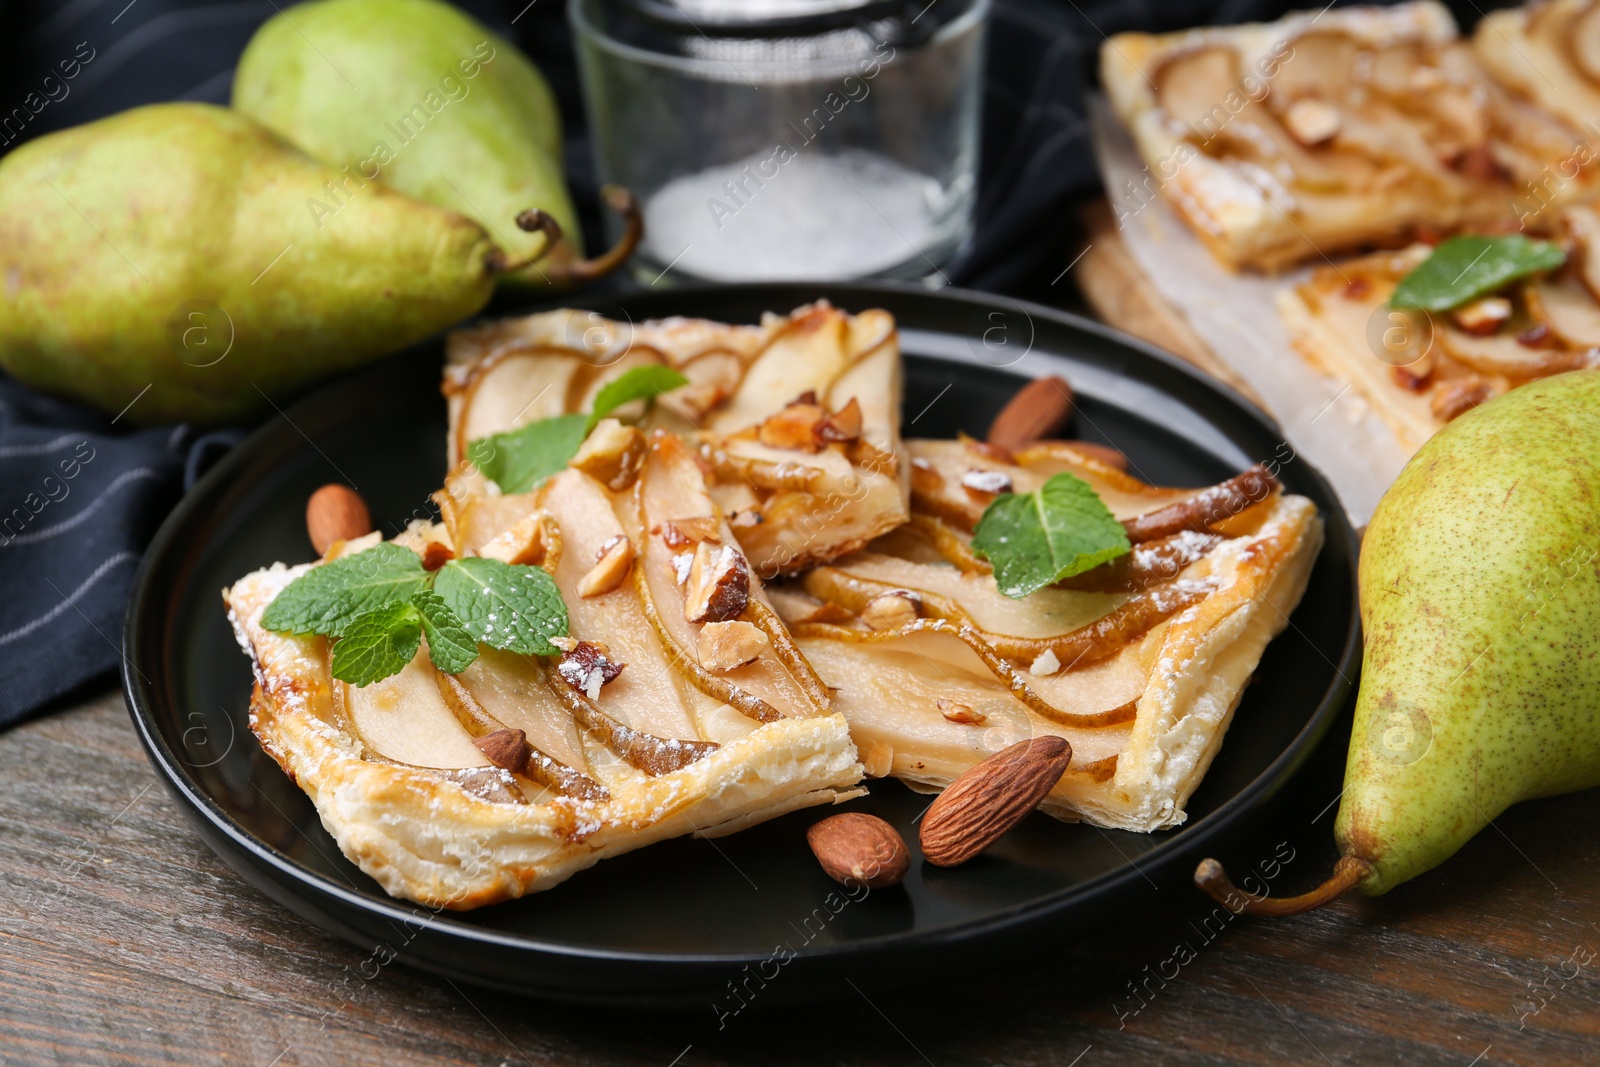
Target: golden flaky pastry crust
(797, 507)
(429, 840)
(1329, 131)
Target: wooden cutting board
(1120, 294)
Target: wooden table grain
(123, 940)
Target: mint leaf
(450, 646)
(638, 383)
(504, 606)
(520, 459)
(329, 597)
(1034, 539)
(377, 644)
(1465, 268)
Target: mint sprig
(517, 609)
(520, 459)
(1036, 539)
(379, 643)
(378, 603)
(450, 645)
(328, 599)
(1464, 268)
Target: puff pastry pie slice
(715, 722)
(1420, 371)
(799, 417)
(1331, 131)
(1550, 53)
(1138, 663)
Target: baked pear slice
(796, 420)
(675, 707)
(1138, 663)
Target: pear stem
(531, 221)
(624, 203)
(1210, 877)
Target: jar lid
(766, 18)
(779, 30)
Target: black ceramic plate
(678, 921)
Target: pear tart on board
(1420, 370)
(1550, 53)
(798, 417)
(1332, 130)
(1139, 663)
(680, 704)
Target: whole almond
(856, 847)
(1038, 409)
(992, 797)
(336, 513)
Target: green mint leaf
(504, 606)
(1034, 539)
(450, 646)
(1465, 268)
(328, 598)
(520, 459)
(638, 383)
(377, 644)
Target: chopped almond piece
(793, 428)
(986, 485)
(523, 543)
(960, 713)
(890, 611)
(616, 560)
(680, 533)
(727, 645)
(586, 668)
(612, 454)
(1483, 317)
(1045, 664)
(842, 425)
(719, 584)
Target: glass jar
(788, 139)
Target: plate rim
(141, 694)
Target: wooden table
(123, 940)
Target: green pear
(1480, 604)
(418, 95)
(170, 258)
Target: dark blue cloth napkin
(78, 503)
(83, 494)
